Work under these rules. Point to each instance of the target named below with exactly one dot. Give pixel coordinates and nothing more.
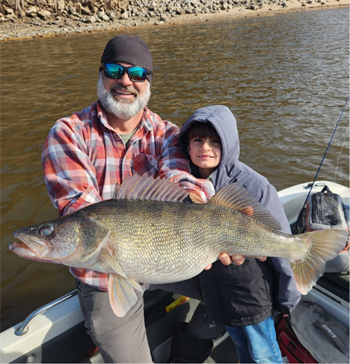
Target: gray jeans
(123, 339)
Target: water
(285, 78)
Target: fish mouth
(21, 249)
(33, 249)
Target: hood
(223, 121)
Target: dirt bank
(45, 18)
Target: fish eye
(46, 230)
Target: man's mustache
(130, 89)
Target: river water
(284, 77)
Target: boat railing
(23, 328)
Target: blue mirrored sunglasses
(116, 71)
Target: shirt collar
(146, 119)
(102, 115)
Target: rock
(70, 9)
(85, 10)
(76, 14)
(51, 3)
(78, 6)
(103, 16)
(9, 11)
(31, 11)
(90, 20)
(112, 15)
(180, 11)
(60, 5)
(125, 15)
(44, 14)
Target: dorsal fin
(238, 198)
(148, 188)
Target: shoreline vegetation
(28, 19)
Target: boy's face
(205, 153)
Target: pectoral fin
(122, 294)
(121, 289)
(119, 271)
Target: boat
(332, 289)
(56, 333)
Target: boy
(240, 297)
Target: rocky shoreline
(25, 19)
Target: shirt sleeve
(69, 174)
(287, 294)
(175, 166)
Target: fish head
(68, 240)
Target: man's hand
(236, 259)
(195, 198)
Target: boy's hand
(236, 259)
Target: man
(88, 153)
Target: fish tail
(322, 246)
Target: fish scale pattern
(163, 242)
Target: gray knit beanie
(129, 49)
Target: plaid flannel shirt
(84, 158)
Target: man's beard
(120, 108)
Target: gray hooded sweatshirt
(243, 295)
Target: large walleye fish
(146, 234)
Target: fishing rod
(319, 168)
